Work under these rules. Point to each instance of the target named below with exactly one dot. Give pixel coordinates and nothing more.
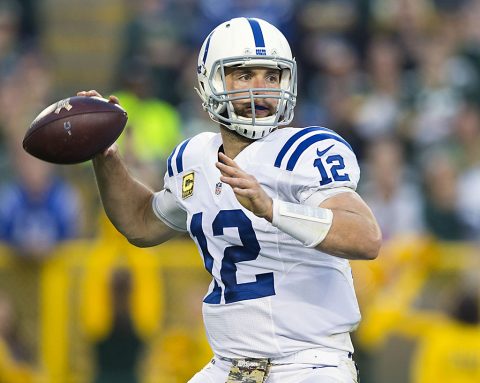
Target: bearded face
(250, 78)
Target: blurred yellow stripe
(54, 296)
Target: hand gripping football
(73, 130)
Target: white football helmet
(245, 42)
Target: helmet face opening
(218, 53)
(222, 99)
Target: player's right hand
(93, 93)
(112, 149)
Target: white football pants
(345, 372)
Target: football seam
(71, 115)
(36, 129)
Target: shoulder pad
(318, 158)
(193, 146)
(301, 141)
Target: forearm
(127, 202)
(352, 236)
(342, 225)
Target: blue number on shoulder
(249, 251)
(337, 163)
(331, 174)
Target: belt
(312, 356)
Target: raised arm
(127, 202)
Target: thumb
(111, 150)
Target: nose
(259, 82)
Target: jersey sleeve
(317, 161)
(166, 209)
(184, 158)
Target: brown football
(73, 130)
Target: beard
(262, 109)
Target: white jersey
(270, 296)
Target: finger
(114, 100)
(89, 93)
(237, 182)
(228, 170)
(247, 193)
(93, 93)
(227, 160)
(223, 167)
(223, 173)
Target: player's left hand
(246, 188)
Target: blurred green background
(399, 79)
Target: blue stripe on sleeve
(179, 159)
(169, 162)
(310, 141)
(258, 36)
(293, 139)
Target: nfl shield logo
(218, 188)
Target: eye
(273, 78)
(245, 76)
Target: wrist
(308, 224)
(106, 158)
(269, 214)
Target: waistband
(311, 356)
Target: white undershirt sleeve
(166, 209)
(321, 195)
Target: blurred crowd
(398, 79)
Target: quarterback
(272, 209)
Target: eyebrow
(240, 70)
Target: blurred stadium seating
(399, 79)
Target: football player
(272, 209)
